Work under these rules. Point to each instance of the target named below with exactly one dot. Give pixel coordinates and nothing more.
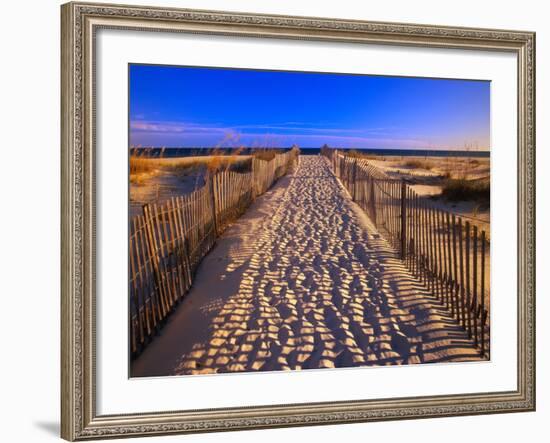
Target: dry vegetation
(154, 178)
(213, 163)
(457, 184)
(358, 154)
(417, 163)
(462, 189)
(144, 166)
(266, 154)
(140, 165)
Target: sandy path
(303, 280)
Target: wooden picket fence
(447, 253)
(168, 241)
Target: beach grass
(144, 166)
(354, 153)
(462, 189)
(266, 154)
(139, 164)
(417, 163)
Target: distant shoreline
(202, 151)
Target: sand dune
(169, 177)
(303, 280)
(471, 168)
(429, 182)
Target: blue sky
(188, 106)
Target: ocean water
(201, 151)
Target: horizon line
(312, 147)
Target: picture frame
(80, 23)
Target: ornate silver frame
(79, 420)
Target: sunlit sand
(302, 281)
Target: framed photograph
(281, 221)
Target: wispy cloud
(313, 129)
(169, 127)
(180, 133)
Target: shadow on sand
(303, 281)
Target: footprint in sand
(319, 291)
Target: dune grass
(354, 153)
(418, 163)
(266, 154)
(143, 165)
(139, 165)
(460, 189)
(210, 164)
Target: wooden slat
(440, 259)
(162, 233)
(154, 260)
(176, 248)
(417, 236)
(150, 280)
(474, 306)
(424, 226)
(461, 278)
(183, 240)
(447, 256)
(145, 280)
(483, 240)
(468, 276)
(467, 289)
(455, 269)
(429, 250)
(134, 302)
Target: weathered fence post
(154, 258)
(354, 178)
(482, 294)
(372, 198)
(403, 220)
(213, 202)
(254, 178)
